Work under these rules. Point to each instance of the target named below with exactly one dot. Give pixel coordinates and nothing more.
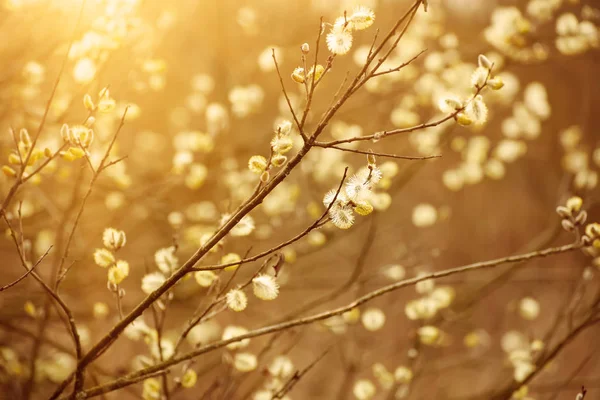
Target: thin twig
(384, 155)
(26, 274)
(289, 385)
(287, 98)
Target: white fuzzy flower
(231, 332)
(152, 281)
(205, 278)
(373, 319)
(362, 18)
(284, 127)
(281, 367)
(113, 239)
(479, 77)
(118, 272)
(166, 260)
(359, 186)
(243, 228)
(236, 300)
(281, 144)
(245, 362)
(167, 348)
(429, 334)
(364, 389)
(423, 308)
(339, 40)
(329, 196)
(450, 104)
(342, 215)
(265, 287)
(403, 374)
(529, 308)
(477, 110)
(103, 258)
(136, 329)
(424, 215)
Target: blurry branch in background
(60, 304)
(26, 274)
(506, 393)
(289, 385)
(384, 155)
(352, 279)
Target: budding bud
(318, 71)
(14, 159)
(496, 83)
(371, 161)
(581, 218)
(564, 212)
(264, 177)
(65, 133)
(574, 204)
(298, 75)
(305, 48)
(24, 137)
(567, 225)
(463, 119)
(484, 62)
(88, 103)
(90, 121)
(8, 171)
(278, 160)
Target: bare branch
(126, 380)
(287, 98)
(26, 274)
(385, 155)
(289, 385)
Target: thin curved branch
(384, 155)
(26, 274)
(383, 134)
(287, 98)
(128, 379)
(60, 303)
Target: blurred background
(204, 96)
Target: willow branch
(60, 303)
(289, 385)
(383, 134)
(128, 379)
(287, 98)
(384, 155)
(26, 274)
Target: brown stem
(127, 380)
